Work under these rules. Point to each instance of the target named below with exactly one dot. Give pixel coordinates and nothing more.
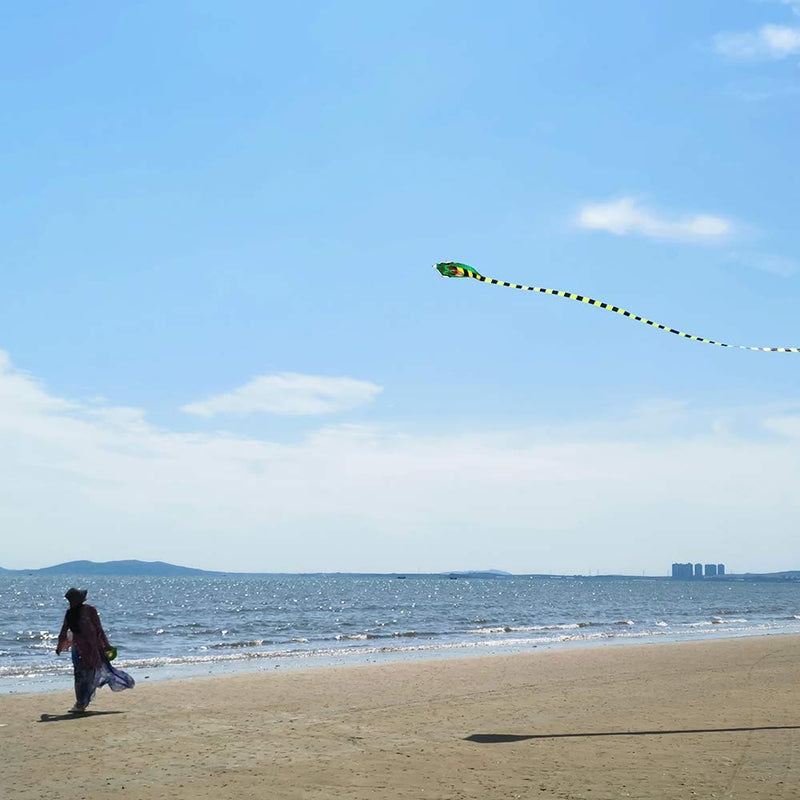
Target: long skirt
(89, 680)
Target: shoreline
(256, 663)
(704, 717)
(259, 663)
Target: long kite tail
(452, 269)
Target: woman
(90, 651)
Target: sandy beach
(699, 719)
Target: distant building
(689, 571)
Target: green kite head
(452, 269)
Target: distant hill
(126, 567)
(162, 569)
(478, 573)
(786, 575)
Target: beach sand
(698, 719)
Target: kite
(452, 269)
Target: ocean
(181, 627)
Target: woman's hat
(74, 595)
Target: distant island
(127, 567)
(161, 569)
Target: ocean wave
(504, 629)
(571, 636)
(35, 670)
(36, 636)
(194, 629)
(704, 623)
(568, 626)
(760, 610)
(235, 645)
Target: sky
(222, 342)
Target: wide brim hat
(74, 594)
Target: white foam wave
(530, 628)
(546, 636)
(41, 636)
(234, 645)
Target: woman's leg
(84, 683)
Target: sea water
(176, 627)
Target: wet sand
(698, 719)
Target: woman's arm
(62, 637)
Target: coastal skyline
(223, 343)
(138, 568)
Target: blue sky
(222, 342)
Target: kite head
(452, 269)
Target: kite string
(601, 304)
(456, 270)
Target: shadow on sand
(83, 715)
(504, 738)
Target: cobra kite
(452, 269)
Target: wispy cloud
(626, 216)
(768, 42)
(288, 394)
(82, 481)
(787, 425)
(793, 4)
(768, 262)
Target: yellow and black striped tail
(452, 269)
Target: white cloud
(768, 42)
(78, 481)
(768, 262)
(625, 216)
(20, 392)
(786, 425)
(289, 394)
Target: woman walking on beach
(83, 633)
